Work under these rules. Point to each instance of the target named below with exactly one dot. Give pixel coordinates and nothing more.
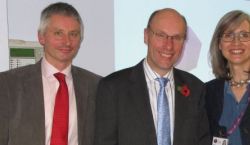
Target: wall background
(131, 18)
(4, 52)
(97, 50)
(114, 30)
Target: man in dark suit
(29, 95)
(127, 107)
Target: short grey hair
(60, 8)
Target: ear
(146, 36)
(41, 38)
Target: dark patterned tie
(59, 134)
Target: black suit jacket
(214, 106)
(124, 115)
(22, 116)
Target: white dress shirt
(153, 90)
(50, 86)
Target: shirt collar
(49, 70)
(152, 75)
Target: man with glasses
(154, 103)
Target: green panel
(22, 52)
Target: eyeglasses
(241, 36)
(163, 36)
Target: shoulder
(186, 77)
(22, 72)
(214, 93)
(81, 73)
(127, 75)
(118, 83)
(119, 75)
(124, 78)
(84, 73)
(215, 84)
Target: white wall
(97, 51)
(114, 30)
(4, 52)
(131, 17)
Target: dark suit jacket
(124, 115)
(22, 117)
(214, 106)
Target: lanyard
(237, 121)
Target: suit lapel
(139, 91)
(180, 99)
(81, 94)
(181, 104)
(34, 102)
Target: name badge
(220, 141)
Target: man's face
(165, 39)
(61, 40)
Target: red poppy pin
(184, 90)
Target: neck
(239, 73)
(240, 76)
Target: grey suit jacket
(124, 115)
(22, 117)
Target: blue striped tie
(163, 124)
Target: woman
(227, 99)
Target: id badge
(220, 141)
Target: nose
(67, 40)
(236, 39)
(169, 43)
